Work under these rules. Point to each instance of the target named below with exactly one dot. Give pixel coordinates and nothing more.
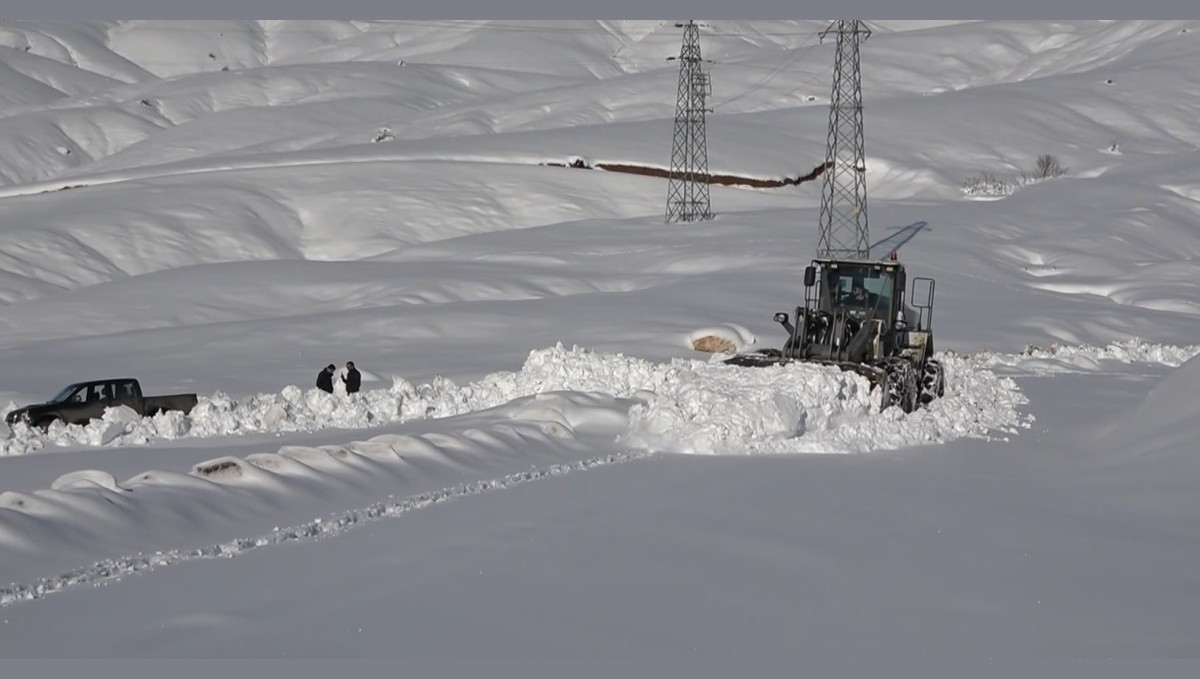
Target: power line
(598, 30)
(808, 81)
(296, 26)
(791, 58)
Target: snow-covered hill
(225, 207)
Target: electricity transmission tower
(687, 193)
(844, 194)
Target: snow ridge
(1060, 358)
(110, 570)
(686, 406)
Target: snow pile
(1130, 351)
(1062, 358)
(716, 408)
(685, 406)
(977, 404)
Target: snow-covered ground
(226, 207)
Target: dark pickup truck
(84, 401)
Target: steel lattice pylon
(687, 193)
(844, 195)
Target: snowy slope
(226, 206)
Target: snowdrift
(1164, 428)
(685, 406)
(535, 415)
(161, 517)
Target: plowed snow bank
(685, 406)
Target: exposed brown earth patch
(723, 179)
(711, 344)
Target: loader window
(880, 291)
(863, 290)
(840, 286)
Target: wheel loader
(855, 316)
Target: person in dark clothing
(352, 378)
(325, 378)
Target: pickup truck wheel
(44, 424)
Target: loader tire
(900, 386)
(933, 382)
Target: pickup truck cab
(82, 402)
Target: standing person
(352, 378)
(325, 378)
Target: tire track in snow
(113, 570)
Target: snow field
(637, 406)
(210, 230)
(532, 415)
(109, 570)
(88, 515)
